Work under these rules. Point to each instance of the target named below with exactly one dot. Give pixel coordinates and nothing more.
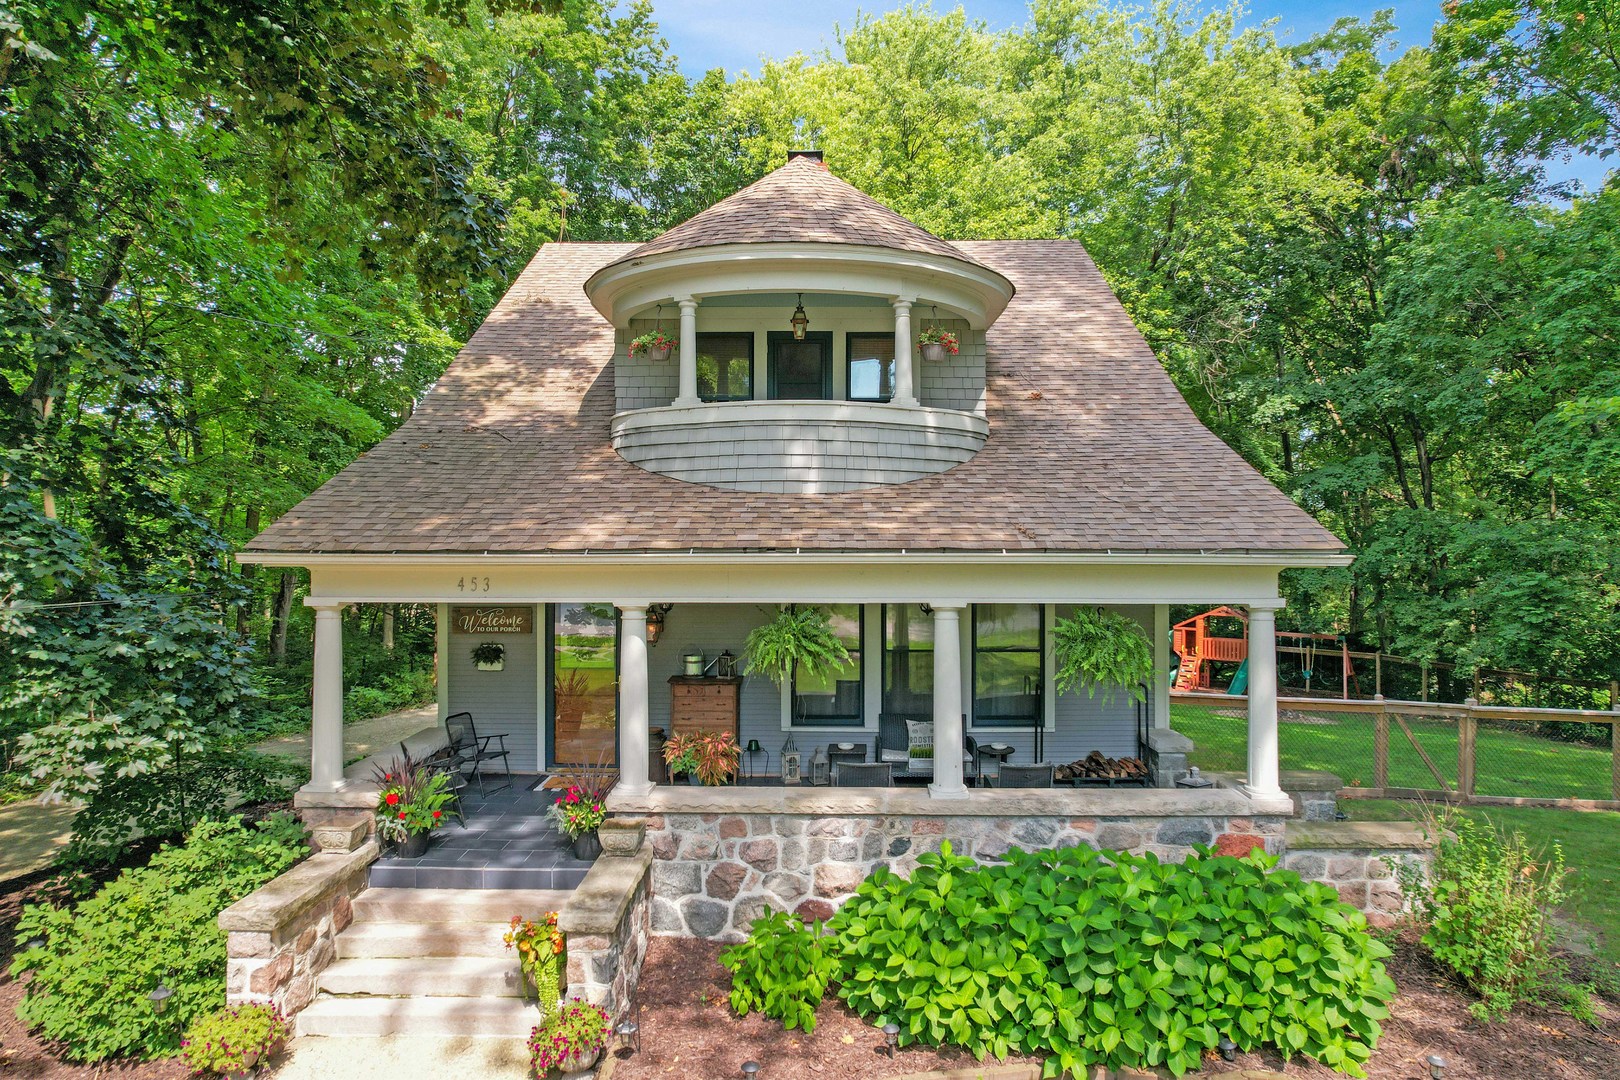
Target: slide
(1240, 681)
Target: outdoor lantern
(1228, 1049)
(655, 621)
(1437, 1067)
(754, 750)
(790, 763)
(629, 1033)
(36, 943)
(820, 768)
(1195, 779)
(749, 1069)
(726, 665)
(891, 1038)
(160, 998)
(801, 321)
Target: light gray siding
(639, 383)
(957, 382)
(505, 700)
(710, 629)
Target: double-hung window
(834, 697)
(869, 365)
(725, 367)
(1007, 665)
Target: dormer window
(725, 367)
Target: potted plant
(654, 345)
(573, 1040)
(579, 813)
(410, 804)
(705, 757)
(489, 656)
(935, 344)
(540, 952)
(233, 1041)
(798, 637)
(1102, 650)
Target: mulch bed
(689, 1031)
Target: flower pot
(693, 779)
(579, 1064)
(587, 847)
(490, 665)
(933, 352)
(621, 836)
(415, 845)
(658, 356)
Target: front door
(801, 369)
(584, 684)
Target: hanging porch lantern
(655, 622)
(800, 321)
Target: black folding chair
(467, 747)
(1025, 776)
(863, 774)
(444, 762)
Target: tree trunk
(388, 627)
(250, 572)
(280, 614)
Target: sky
(735, 34)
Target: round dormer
(794, 308)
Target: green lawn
(1590, 850)
(1509, 759)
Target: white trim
(771, 411)
(542, 685)
(814, 556)
(441, 660)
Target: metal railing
(1469, 753)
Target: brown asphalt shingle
(1091, 448)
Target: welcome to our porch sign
(492, 620)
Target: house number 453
(473, 584)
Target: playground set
(1207, 639)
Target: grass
(1587, 839)
(1509, 758)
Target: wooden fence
(1468, 754)
(1367, 675)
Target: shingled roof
(801, 202)
(1091, 447)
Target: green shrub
(1486, 914)
(149, 926)
(164, 803)
(782, 970)
(1100, 959)
(234, 1040)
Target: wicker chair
(863, 774)
(1026, 776)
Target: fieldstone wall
(713, 874)
(280, 937)
(1364, 860)
(606, 922)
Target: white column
(947, 704)
(904, 392)
(633, 700)
(1263, 767)
(1161, 665)
(686, 355)
(326, 721)
(441, 660)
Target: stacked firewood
(1096, 766)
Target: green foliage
(798, 637)
(164, 803)
(411, 798)
(1089, 958)
(149, 926)
(233, 1039)
(783, 970)
(1487, 914)
(1102, 650)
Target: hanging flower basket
(935, 344)
(489, 656)
(654, 345)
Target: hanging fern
(1102, 650)
(797, 636)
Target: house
(602, 516)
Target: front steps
(428, 962)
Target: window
(725, 367)
(800, 370)
(870, 367)
(834, 698)
(908, 660)
(1007, 675)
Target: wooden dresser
(701, 704)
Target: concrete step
(445, 977)
(410, 940)
(442, 1016)
(441, 906)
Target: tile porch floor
(509, 843)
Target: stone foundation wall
(1364, 860)
(606, 922)
(280, 937)
(713, 874)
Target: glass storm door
(801, 369)
(584, 684)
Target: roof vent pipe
(813, 155)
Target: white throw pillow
(920, 748)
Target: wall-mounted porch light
(655, 621)
(800, 321)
